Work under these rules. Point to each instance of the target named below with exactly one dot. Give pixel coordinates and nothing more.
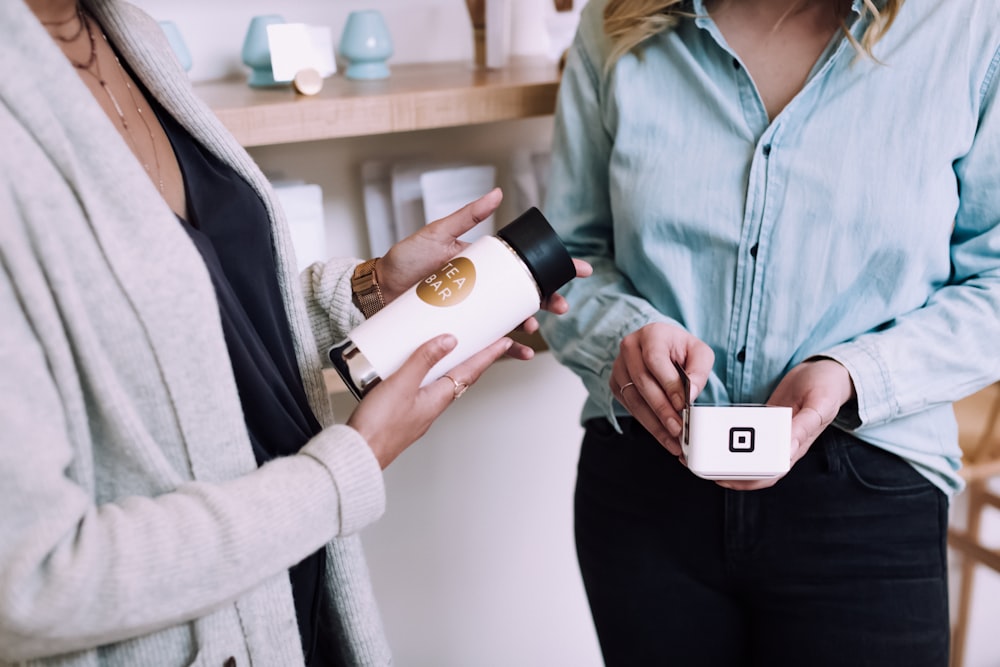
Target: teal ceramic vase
(257, 52)
(366, 45)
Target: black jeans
(842, 562)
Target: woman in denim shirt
(799, 203)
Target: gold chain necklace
(93, 67)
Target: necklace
(93, 67)
(145, 122)
(78, 16)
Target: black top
(229, 225)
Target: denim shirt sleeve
(948, 348)
(604, 307)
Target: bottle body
(478, 296)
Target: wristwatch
(367, 293)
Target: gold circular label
(450, 285)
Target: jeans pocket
(880, 471)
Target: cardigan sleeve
(326, 287)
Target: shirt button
(753, 251)
(766, 150)
(741, 356)
(230, 662)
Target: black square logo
(741, 439)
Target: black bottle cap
(533, 239)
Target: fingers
(657, 382)
(461, 377)
(654, 392)
(472, 213)
(418, 365)
(521, 352)
(583, 268)
(699, 362)
(485, 206)
(557, 303)
(399, 410)
(628, 393)
(529, 326)
(459, 387)
(662, 381)
(455, 382)
(808, 423)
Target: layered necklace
(92, 66)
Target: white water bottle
(479, 296)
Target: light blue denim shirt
(862, 223)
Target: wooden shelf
(415, 97)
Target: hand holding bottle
(397, 412)
(427, 250)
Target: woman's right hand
(644, 380)
(398, 411)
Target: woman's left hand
(427, 250)
(815, 390)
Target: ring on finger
(460, 387)
(621, 389)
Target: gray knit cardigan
(135, 526)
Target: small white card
(298, 46)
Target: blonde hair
(628, 23)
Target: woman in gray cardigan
(151, 510)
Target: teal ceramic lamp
(366, 45)
(257, 51)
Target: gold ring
(621, 390)
(460, 387)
